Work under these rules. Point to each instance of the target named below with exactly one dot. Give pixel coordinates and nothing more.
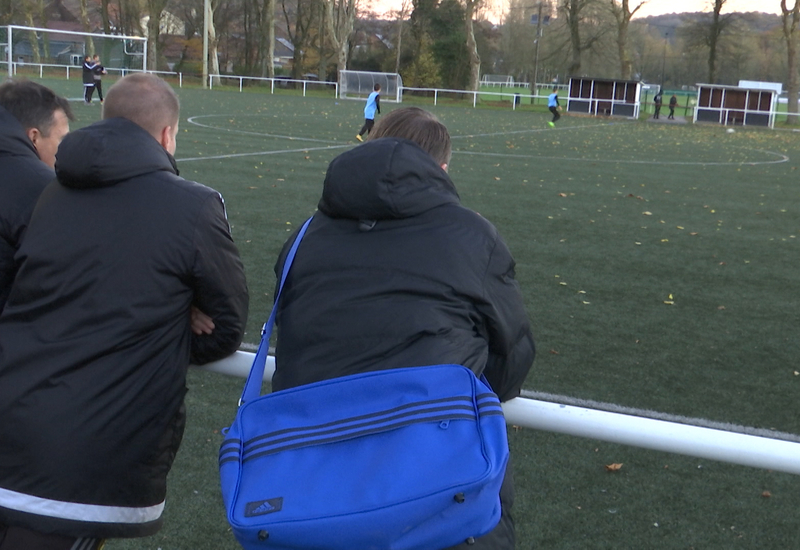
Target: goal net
(359, 84)
(50, 50)
(497, 80)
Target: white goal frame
(10, 45)
(359, 84)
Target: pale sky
(653, 7)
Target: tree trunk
(341, 19)
(267, 38)
(86, 28)
(155, 9)
(472, 46)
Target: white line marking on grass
(192, 120)
(534, 130)
(257, 153)
(655, 415)
(781, 158)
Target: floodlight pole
(9, 54)
(664, 59)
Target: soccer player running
(554, 106)
(373, 105)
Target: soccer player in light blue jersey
(373, 106)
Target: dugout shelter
(604, 97)
(748, 105)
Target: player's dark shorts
(19, 538)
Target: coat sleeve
(220, 290)
(511, 346)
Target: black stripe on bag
(352, 435)
(347, 426)
(354, 419)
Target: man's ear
(167, 140)
(34, 134)
(444, 167)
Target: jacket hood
(13, 140)
(388, 178)
(109, 152)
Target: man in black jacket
(88, 79)
(33, 121)
(394, 272)
(128, 272)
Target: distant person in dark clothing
(673, 102)
(88, 80)
(657, 102)
(98, 72)
(33, 121)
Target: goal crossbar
(9, 45)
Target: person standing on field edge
(88, 80)
(657, 102)
(554, 106)
(33, 121)
(128, 273)
(394, 271)
(673, 102)
(373, 105)
(98, 72)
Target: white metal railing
(511, 96)
(272, 82)
(660, 435)
(68, 68)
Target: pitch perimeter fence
(737, 445)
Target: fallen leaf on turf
(496, 178)
(720, 307)
(766, 494)
(562, 194)
(616, 467)
(554, 352)
(562, 283)
(797, 373)
(646, 213)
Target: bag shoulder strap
(252, 388)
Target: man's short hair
(376, 87)
(419, 126)
(144, 99)
(32, 104)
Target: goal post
(359, 84)
(54, 48)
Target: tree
(790, 18)
(155, 9)
(471, 45)
(708, 32)
(622, 13)
(340, 16)
(299, 31)
(575, 12)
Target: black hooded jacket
(394, 272)
(95, 339)
(23, 178)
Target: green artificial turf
(659, 266)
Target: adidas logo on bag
(263, 507)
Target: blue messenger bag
(400, 459)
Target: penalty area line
(193, 120)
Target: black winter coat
(394, 272)
(23, 178)
(95, 340)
